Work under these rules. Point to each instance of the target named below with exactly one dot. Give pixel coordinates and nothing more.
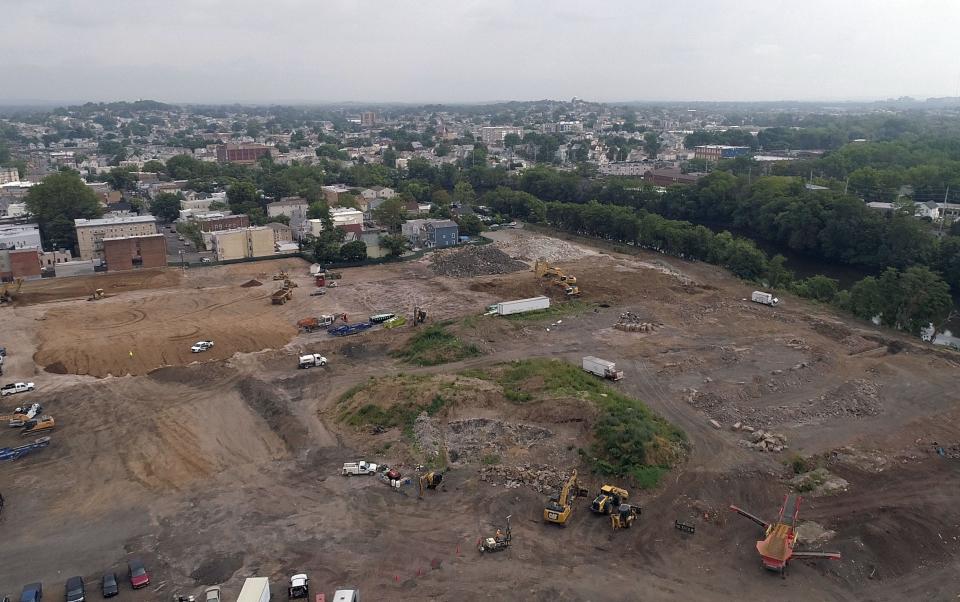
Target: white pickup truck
(358, 468)
(12, 388)
(309, 361)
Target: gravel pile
(475, 261)
(535, 247)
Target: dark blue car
(31, 593)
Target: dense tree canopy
(58, 200)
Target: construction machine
(609, 499)
(289, 283)
(430, 480)
(38, 425)
(21, 415)
(558, 508)
(6, 295)
(419, 315)
(97, 295)
(545, 271)
(281, 275)
(499, 541)
(624, 516)
(776, 549)
(281, 296)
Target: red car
(139, 577)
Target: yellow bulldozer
(7, 295)
(281, 275)
(559, 507)
(97, 295)
(544, 271)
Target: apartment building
(91, 232)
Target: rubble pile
(535, 247)
(250, 283)
(473, 439)
(539, 477)
(427, 433)
(631, 322)
(767, 441)
(475, 260)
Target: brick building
(20, 263)
(219, 223)
(244, 154)
(91, 232)
(125, 253)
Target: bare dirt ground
(218, 466)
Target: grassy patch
(630, 440)
(491, 459)
(402, 414)
(557, 310)
(349, 393)
(434, 345)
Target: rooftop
(109, 221)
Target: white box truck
(505, 308)
(602, 368)
(255, 589)
(764, 298)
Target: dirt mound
(250, 283)
(475, 261)
(272, 405)
(534, 246)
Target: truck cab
(299, 587)
(309, 361)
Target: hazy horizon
(472, 52)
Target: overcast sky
(467, 50)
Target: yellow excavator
(6, 296)
(97, 295)
(558, 507)
(430, 480)
(281, 275)
(544, 271)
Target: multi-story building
(494, 135)
(9, 174)
(91, 232)
(20, 263)
(125, 253)
(295, 208)
(716, 152)
(20, 236)
(333, 193)
(368, 119)
(242, 243)
(441, 233)
(217, 222)
(243, 154)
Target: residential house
(441, 233)
(295, 208)
(334, 192)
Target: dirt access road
(226, 468)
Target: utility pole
(846, 185)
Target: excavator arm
(749, 516)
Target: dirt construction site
(217, 466)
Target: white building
(20, 236)
(346, 216)
(494, 135)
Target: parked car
(31, 593)
(75, 589)
(109, 585)
(201, 346)
(139, 577)
(11, 388)
(205, 260)
(212, 594)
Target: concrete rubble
(765, 441)
(475, 260)
(539, 477)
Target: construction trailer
(255, 589)
(506, 308)
(763, 298)
(601, 368)
(15, 453)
